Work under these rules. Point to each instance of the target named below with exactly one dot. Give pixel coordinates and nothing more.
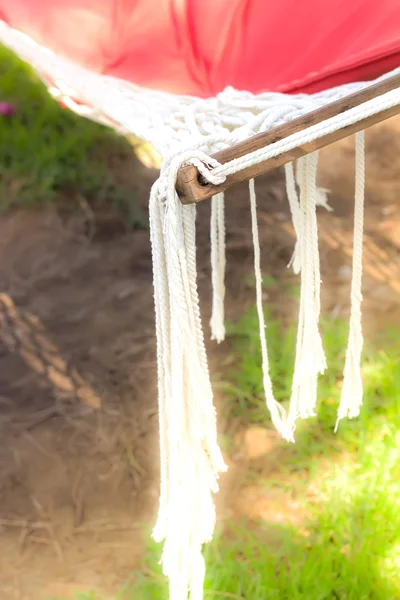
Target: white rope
(296, 215)
(320, 200)
(312, 133)
(352, 390)
(218, 262)
(310, 358)
(277, 412)
(190, 456)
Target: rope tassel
(310, 359)
(296, 215)
(277, 412)
(352, 390)
(291, 192)
(190, 457)
(218, 262)
(191, 460)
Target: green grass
(47, 153)
(348, 545)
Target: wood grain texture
(191, 190)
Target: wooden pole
(191, 190)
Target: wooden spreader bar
(191, 189)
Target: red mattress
(201, 46)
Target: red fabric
(201, 46)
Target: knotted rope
(191, 460)
(190, 457)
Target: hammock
(174, 73)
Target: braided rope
(310, 359)
(170, 123)
(352, 390)
(190, 458)
(278, 415)
(294, 205)
(218, 262)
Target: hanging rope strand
(352, 390)
(218, 262)
(276, 410)
(310, 358)
(190, 458)
(296, 215)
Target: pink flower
(6, 110)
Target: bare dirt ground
(78, 417)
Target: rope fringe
(352, 390)
(291, 191)
(218, 262)
(190, 457)
(310, 359)
(278, 415)
(191, 460)
(296, 215)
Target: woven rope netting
(170, 123)
(186, 130)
